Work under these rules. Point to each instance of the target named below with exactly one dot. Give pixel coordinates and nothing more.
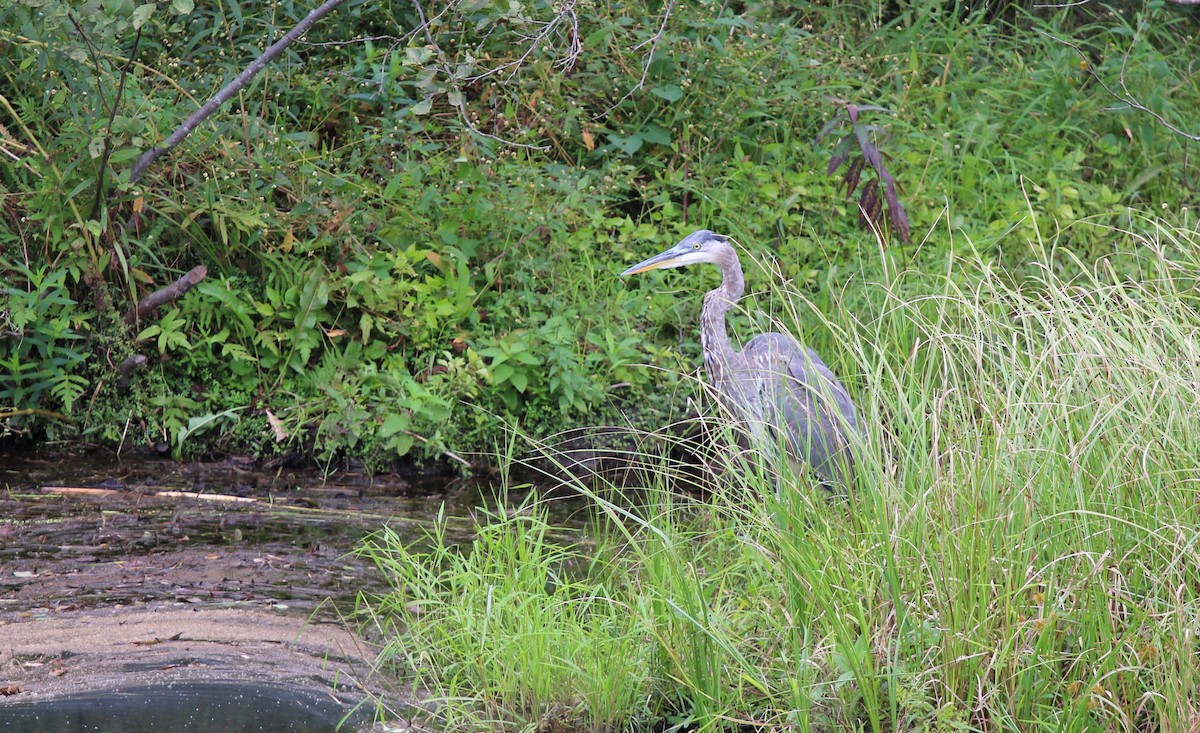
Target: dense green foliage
(1021, 551)
(406, 251)
(412, 224)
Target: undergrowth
(393, 270)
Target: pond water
(193, 707)
(148, 595)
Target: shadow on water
(191, 707)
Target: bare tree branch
(126, 370)
(230, 89)
(445, 452)
(1125, 96)
(424, 23)
(394, 40)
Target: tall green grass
(1021, 551)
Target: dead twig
(452, 456)
(567, 15)
(80, 491)
(229, 498)
(44, 413)
(1125, 96)
(157, 640)
(169, 294)
(466, 120)
(653, 42)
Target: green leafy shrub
(40, 349)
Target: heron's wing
(801, 395)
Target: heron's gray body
(781, 389)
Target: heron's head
(697, 247)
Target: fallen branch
(206, 497)
(44, 413)
(80, 490)
(169, 294)
(157, 640)
(230, 89)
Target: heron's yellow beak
(658, 261)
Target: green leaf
(504, 373)
(183, 7)
(423, 107)
(652, 133)
(417, 55)
(395, 423)
(141, 15)
(96, 147)
(670, 92)
(402, 443)
(629, 145)
(520, 381)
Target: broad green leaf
(652, 133)
(394, 423)
(670, 92)
(504, 373)
(402, 443)
(630, 145)
(417, 56)
(141, 15)
(520, 381)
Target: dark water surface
(191, 707)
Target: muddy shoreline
(141, 572)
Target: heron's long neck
(714, 339)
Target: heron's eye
(696, 245)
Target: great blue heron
(773, 383)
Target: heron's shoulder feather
(782, 354)
(786, 353)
